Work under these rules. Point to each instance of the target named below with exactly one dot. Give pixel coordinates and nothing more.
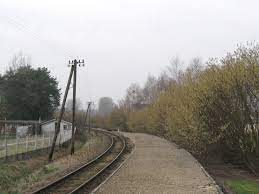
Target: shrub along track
(85, 178)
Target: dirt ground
(158, 166)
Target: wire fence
(14, 145)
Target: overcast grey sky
(121, 41)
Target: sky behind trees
(121, 41)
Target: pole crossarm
(75, 62)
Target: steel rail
(67, 176)
(87, 182)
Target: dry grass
(21, 176)
(62, 165)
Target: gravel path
(158, 166)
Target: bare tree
(69, 105)
(18, 60)
(174, 69)
(134, 96)
(150, 90)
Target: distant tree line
(204, 108)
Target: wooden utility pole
(57, 127)
(73, 70)
(86, 115)
(74, 63)
(89, 117)
(74, 109)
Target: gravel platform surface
(158, 166)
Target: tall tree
(2, 101)
(30, 93)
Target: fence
(14, 145)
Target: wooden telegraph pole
(86, 115)
(74, 63)
(73, 70)
(89, 117)
(74, 109)
(57, 127)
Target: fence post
(17, 142)
(59, 137)
(53, 138)
(62, 137)
(49, 139)
(6, 152)
(43, 140)
(27, 143)
(35, 145)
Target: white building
(48, 127)
(22, 131)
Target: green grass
(243, 186)
(2, 137)
(10, 173)
(18, 175)
(22, 146)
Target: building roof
(32, 122)
(55, 120)
(19, 122)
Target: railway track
(82, 180)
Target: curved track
(82, 179)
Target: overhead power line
(26, 28)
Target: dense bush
(204, 109)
